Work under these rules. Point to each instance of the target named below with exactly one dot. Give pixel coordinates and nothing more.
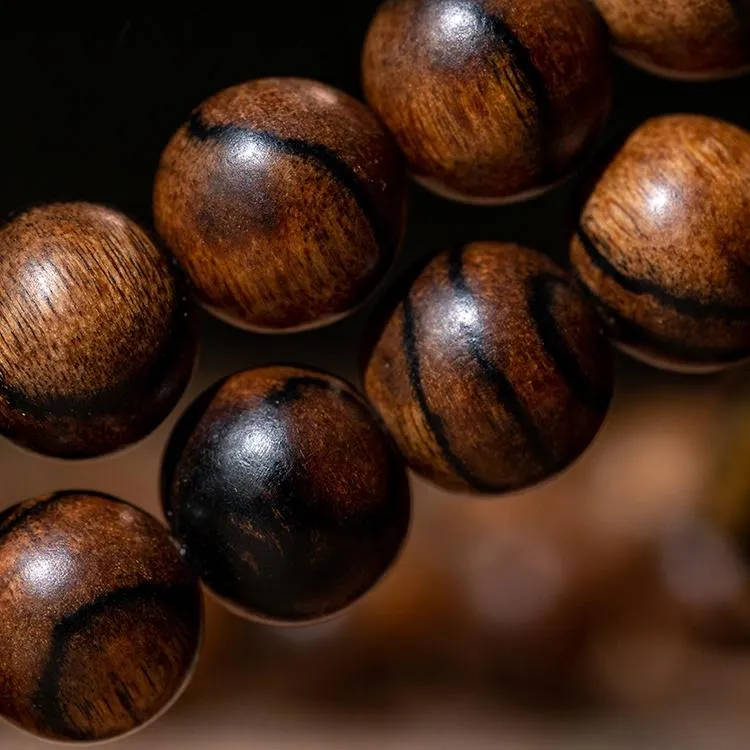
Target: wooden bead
(287, 497)
(663, 245)
(687, 39)
(490, 100)
(96, 340)
(101, 618)
(491, 374)
(284, 200)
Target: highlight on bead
(101, 617)
(284, 200)
(492, 373)
(285, 494)
(490, 100)
(662, 246)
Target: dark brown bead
(689, 39)
(663, 245)
(96, 341)
(491, 374)
(286, 495)
(101, 618)
(490, 100)
(284, 200)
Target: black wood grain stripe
(13, 517)
(541, 302)
(323, 156)
(684, 305)
(46, 699)
(433, 419)
(493, 374)
(628, 332)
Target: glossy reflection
(663, 246)
(101, 618)
(489, 101)
(491, 374)
(285, 495)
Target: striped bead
(491, 374)
(284, 200)
(285, 493)
(490, 100)
(101, 618)
(663, 244)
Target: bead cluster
(281, 204)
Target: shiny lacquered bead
(491, 373)
(685, 39)
(284, 199)
(663, 245)
(96, 338)
(287, 497)
(101, 618)
(490, 100)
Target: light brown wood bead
(663, 245)
(101, 618)
(284, 200)
(492, 373)
(684, 39)
(96, 335)
(490, 100)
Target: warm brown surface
(284, 201)
(285, 494)
(489, 99)
(663, 244)
(492, 373)
(96, 340)
(692, 39)
(100, 617)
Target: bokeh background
(608, 608)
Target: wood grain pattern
(684, 39)
(287, 497)
(101, 618)
(663, 245)
(492, 373)
(284, 200)
(490, 100)
(96, 336)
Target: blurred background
(608, 608)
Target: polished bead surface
(490, 100)
(491, 373)
(663, 244)
(287, 497)
(284, 200)
(683, 39)
(96, 337)
(101, 618)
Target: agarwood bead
(284, 200)
(491, 374)
(101, 618)
(286, 495)
(663, 245)
(688, 39)
(490, 100)
(96, 336)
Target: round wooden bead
(663, 245)
(96, 341)
(490, 100)
(284, 200)
(491, 374)
(688, 39)
(101, 618)
(286, 495)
